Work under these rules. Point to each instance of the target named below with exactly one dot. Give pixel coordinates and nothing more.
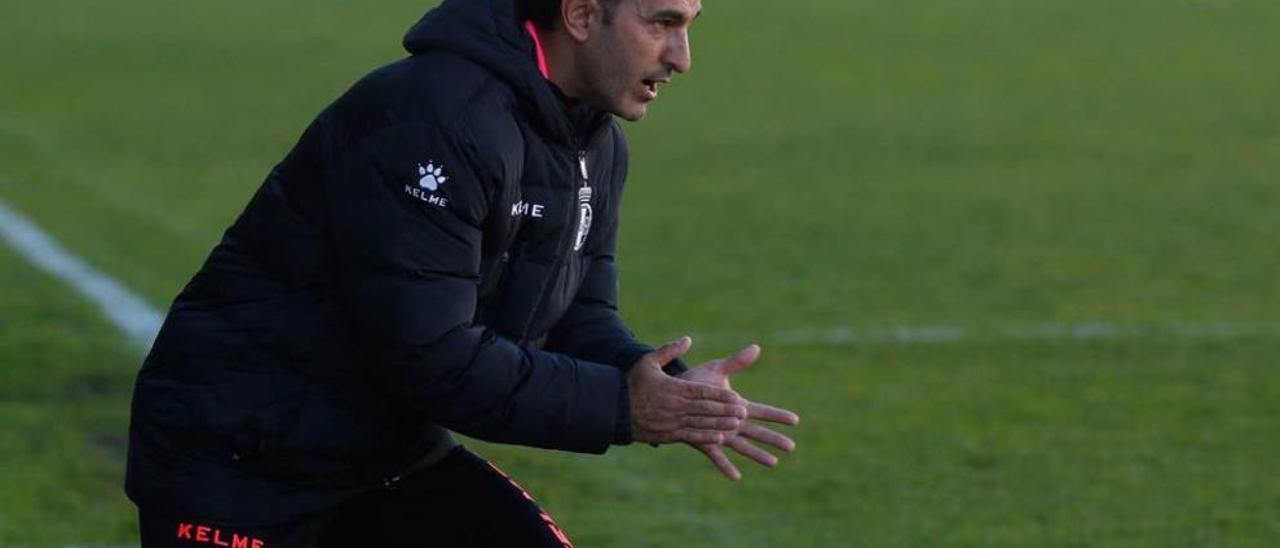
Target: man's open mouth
(651, 86)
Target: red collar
(537, 46)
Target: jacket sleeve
(591, 328)
(407, 209)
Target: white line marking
(140, 322)
(126, 310)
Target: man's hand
(716, 373)
(665, 409)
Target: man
(435, 254)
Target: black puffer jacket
(437, 252)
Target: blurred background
(1015, 263)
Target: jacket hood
(490, 33)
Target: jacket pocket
(260, 446)
(322, 436)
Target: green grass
(66, 378)
(825, 164)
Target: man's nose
(677, 55)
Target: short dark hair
(546, 13)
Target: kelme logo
(431, 177)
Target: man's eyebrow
(673, 15)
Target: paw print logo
(431, 177)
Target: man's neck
(555, 58)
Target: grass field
(826, 165)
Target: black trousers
(463, 500)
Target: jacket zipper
(584, 205)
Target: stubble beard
(606, 70)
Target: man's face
(624, 61)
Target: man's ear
(577, 15)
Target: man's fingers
(701, 437)
(747, 449)
(772, 414)
(721, 461)
(699, 391)
(767, 436)
(740, 360)
(726, 424)
(707, 408)
(671, 351)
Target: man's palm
(716, 373)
